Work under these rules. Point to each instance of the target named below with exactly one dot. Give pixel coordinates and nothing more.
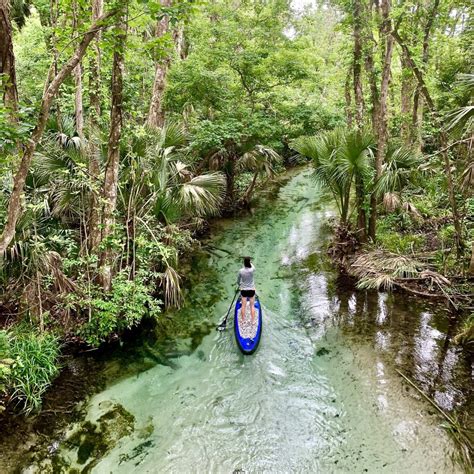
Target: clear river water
(320, 395)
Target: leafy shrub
(400, 243)
(128, 303)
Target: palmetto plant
(261, 160)
(232, 157)
(158, 189)
(159, 182)
(461, 120)
(400, 168)
(342, 161)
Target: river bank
(323, 386)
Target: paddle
(222, 326)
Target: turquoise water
(320, 395)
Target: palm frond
(398, 170)
(467, 184)
(173, 134)
(203, 194)
(260, 159)
(460, 119)
(379, 270)
(172, 286)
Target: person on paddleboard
(246, 284)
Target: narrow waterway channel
(320, 395)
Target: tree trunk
(79, 111)
(77, 74)
(14, 203)
(357, 69)
(417, 117)
(113, 154)
(471, 265)
(53, 21)
(156, 114)
(229, 171)
(451, 194)
(7, 62)
(387, 40)
(249, 191)
(406, 100)
(361, 214)
(230, 185)
(94, 68)
(94, 120)
(370, 67)
(180, 42)
(347, 96)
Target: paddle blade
(221, 327)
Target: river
(320, 395)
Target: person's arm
(239, 278)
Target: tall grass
(35, 365)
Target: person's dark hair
(247, 262)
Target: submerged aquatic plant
(456, 428)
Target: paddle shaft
(224, 323)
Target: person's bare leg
(243, 308)
(252, 309)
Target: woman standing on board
(247, 287)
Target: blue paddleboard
(247, 335)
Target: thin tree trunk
(451, 194)
(79, 110)
(230, 185)
(361, 214)
(388, 41)
(94, 68)
(14, 203)
(348, 98)
(250, 189)
(370, 67)
(94, 120)
(357, 68)
(471, 265)
(53, 19)
(229, 171)
(7, 62)
(180, 42)
(156, 114)
(406, 100)
(417, 117)
(77, 74)
(374, 93)
(113, 153)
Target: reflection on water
(416, 338)
(320, 395)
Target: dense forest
(125, 126)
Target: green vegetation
(28, 363)
(125, 125)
